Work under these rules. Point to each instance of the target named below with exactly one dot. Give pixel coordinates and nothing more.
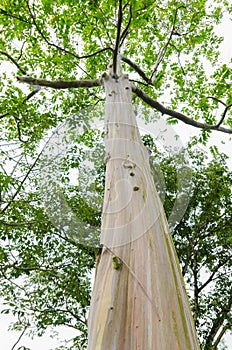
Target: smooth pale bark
(139, 300)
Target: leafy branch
(57, 46)
(164, 49)
(159, 107)
(227, 107)
(211, 277)
(19, 18)
(17, 120)
(23, 181)
(217, 323)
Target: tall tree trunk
(139, 300)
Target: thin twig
(138, 82)
(227, 107)
(20, 337)
(217, 100)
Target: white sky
(8, 339)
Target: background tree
(37, 38)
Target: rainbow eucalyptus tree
(139, 299)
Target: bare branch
(126, 30)
(13, 61)
(217, 100)
(60, 84)
(16, 224)
(119, 24)
(159, 107)
(224, 115)
(19, 338)
(136, 68)
(220, 335)
(211, 277)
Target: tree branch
(57, 46)
(136, 68)
(117, 43)
(159, 107)
(13, 61)
(224, 115)
(211, 277)
(217, 323)
(60, 84)
(5, 13)
(219, 337)
(20, 337)
(164, 49)
(126, 30)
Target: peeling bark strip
(139, 300)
